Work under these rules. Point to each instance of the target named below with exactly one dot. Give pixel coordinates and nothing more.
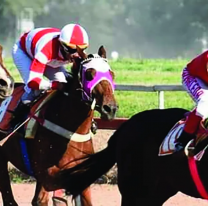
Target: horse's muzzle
(108, 112)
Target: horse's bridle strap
(66, 133)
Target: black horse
(144, 178)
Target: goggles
(67, 49)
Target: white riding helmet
(73, 35)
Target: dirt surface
(102, 195)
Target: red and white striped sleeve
(38, 66)
(36, 80)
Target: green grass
(149, 72)
(159, 65)
(141, 72)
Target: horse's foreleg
(84, 199)
(41, 197)
(5, 184)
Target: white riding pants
(23, 63)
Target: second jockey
(195, 81)
(44, 52)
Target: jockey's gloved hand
(61, 86)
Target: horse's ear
(81, 53)
(1, 51)
(102, 52)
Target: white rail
(155, 88)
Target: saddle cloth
(10, 104)
(167, 147)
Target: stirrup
(189, 150)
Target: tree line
(134, 28)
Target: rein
(193, 166)
(196, 178)
(194, 171)
(23, 123)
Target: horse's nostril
(107, 108)
(3, 83)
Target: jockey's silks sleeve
(36, 80)
(43, 47)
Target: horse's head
(6, 80)
(97, 82)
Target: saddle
(8, 106)
(167, 147)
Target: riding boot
(183, 140)
(94, 127)
(20, 114)
(191, 125)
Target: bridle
(87, 87)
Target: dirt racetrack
(102, 195)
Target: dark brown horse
(144, 178)
(63, 133)
(6, 80)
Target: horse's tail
(78, 178)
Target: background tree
(135, 28)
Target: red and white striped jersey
(42, 46)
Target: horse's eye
(90, 74)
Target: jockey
(195, 81)
(44, 52)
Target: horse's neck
(70, 112)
